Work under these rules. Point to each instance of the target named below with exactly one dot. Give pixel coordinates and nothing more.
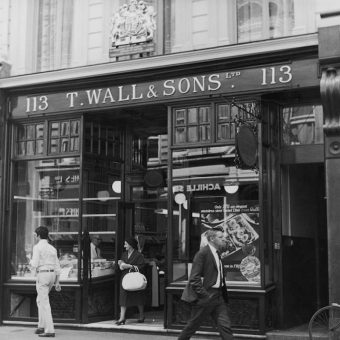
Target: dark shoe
(141, 320)
(121, 322)
(47, 335)
(39, 331)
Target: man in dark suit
(206, 290)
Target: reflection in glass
(40, 131)
(30, 148)
(180, 136)
(192, 115)
(40, 146)
(54, 145)
(302, 125)
(204, 114)
(75, 127)
(65, 129)
(180, 117)
(192, 134)
(100, 213)
(54, 130)
(21, 132)
(46, 192)
(201, 202)
(205, 133)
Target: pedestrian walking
(131, 258)
(46, 265)
(206, 290)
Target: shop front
(162, 159)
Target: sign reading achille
(295, 74)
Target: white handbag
(134, 280)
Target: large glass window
(195, 124)
(45, 192)
(30, 139)
(101, 194)
(209, 191)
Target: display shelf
(72, 216)
(102, 232)
(103, 200)
(63, 233)
(76, 199)
(33, 278)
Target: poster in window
(240, 223)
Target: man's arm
(57, 274)
(35, 259)
(196, 275)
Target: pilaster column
(330, 96)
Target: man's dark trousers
(216, 308)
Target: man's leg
(44, 288)
(221, 317)
(198, 314)
(41, 323)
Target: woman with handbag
(131, 260)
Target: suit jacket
(203, 276)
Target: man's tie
(220, 269)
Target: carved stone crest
(134, 23)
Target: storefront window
(45, 192)
(30, 139)
(64, 136)
(302, 125)
(209, 192)
(192, 125)
(101, 193)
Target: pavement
(27, 333)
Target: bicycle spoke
(326, 322)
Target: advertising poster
(240, 223)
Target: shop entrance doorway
(304, 243)
(143, 204)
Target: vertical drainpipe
(329, 58)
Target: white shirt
(95, 252)
(45, 257)
(218, 264)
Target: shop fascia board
(164, 61)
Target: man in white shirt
(94, 245)
(46, 265)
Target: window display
(46, 192)
(216, 196)
(101, 193)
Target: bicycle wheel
(325, 323)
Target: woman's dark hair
(132, 242)
(42, 232)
